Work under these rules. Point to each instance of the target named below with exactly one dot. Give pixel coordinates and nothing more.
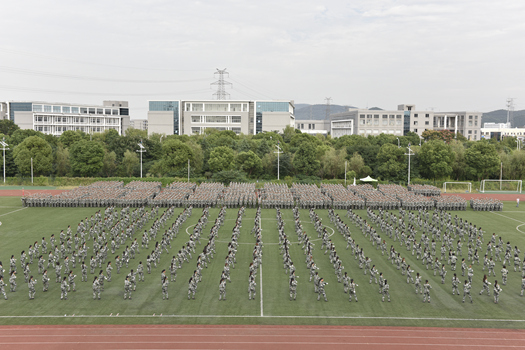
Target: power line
(61, 58)
(256, 91)
(81, 77)
(17, 88)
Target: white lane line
(281, 316)
(14, 211)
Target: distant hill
(500, 116)
(316, 112)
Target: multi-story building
(240, 116)
(55, 118)
(140, 124)
(401, 121)
(501, 130)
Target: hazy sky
(440, 54)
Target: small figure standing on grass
(486, 284)
(386, 291)
(45, 281)
(165, 283)
(12, 281)
(2, 287)
(466, 290)
(222, 289)
(426, 291)
(455, 284)
(497, 290)
(320, 290)
(127, 288)
(31, 284)
(352, 290)
(63, 289)
(96, 288)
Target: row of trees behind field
(224, 156)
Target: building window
(195, 118)
(216, 119)
(47, 108)
(37, 108)
(235, 107)
(427, 115)
(470, 123)
(427, 122)
(91, 110)
(57, 109)
(236, 118)
(415, 130)
(469, 117)
(313, 126)
(361, 122)
(415, 122)
(83, 110)
(415, 115)
(236, 130)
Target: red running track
(255, 337)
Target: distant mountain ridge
(305, 111)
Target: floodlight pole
(409, 154)
(278, 152)
(188, 170)
(398, 145)
(31, 170)
(4, 148)
(141, 150)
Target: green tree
(249, 162)
(333, 163)
(86, 158)
(221, 158)
(69, 137)
(391, 163)
(62, 161)
(7, 127)
(175, 155)
(197, 162)
(110, 163)
(435, 160)
(482, 160)
(39, 150)
(130, 162)
(357, 165)
(459, 166)
(305, 160)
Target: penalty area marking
(517, 227)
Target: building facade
(501, 130)
(140, 124)
(55, 118)
(399, 122)
(240, 116)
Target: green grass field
(23, 226)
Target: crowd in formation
(211, 194)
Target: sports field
(23, 226)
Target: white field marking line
(268, 342)
(260, 278)
(521, 222)
(344, 330)
(14, 211)
(206, 334)
(282, 316)
(7, 206)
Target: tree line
(224, 156)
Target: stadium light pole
(278, 152)
(409, 154)
(31, 170)
(398, 145)
(141, 150)
(4, 148)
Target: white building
(140, 124)
(240, 116)
(55, 118)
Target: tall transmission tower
(510, 110)
(328, 101)
(221, 93)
